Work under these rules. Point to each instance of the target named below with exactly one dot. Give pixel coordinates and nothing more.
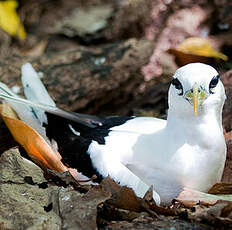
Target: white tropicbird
(187, 150)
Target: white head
(195, 90)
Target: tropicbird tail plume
(187, 150)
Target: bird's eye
(213, 83)
(177, 85)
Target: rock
(24, 195)
(227, 116)
(85, 21)
(176, 29)
(95, 21)
(227, 124)
(14, 169)
(222, 15)
(87, 76)
(29, 201)
(78, 211)
(226, 177)
(160, 223)
(227, 110)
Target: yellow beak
(195, 98)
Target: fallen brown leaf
(219, 215)
(124, 198)
(221, 188)
(201, 47)
(107, 213)
(36, 147)
(196, 49)
(149, 194)
(37, 50)
(189, 198)
(182, 58)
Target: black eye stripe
(177, 85)
(213, 83)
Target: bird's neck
(208, 117)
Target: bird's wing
(142, 125)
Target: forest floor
(109, 58)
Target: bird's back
(115, 136)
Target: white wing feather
(35, 91)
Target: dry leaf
(196, 49)
(189, 198)
(182, 58)
(9, 19)
(219, 215)
(149, 194)
(124, 198)
(36, 147)
(37, 50)
(221, 188)
(201, 47)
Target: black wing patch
(73, 145)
